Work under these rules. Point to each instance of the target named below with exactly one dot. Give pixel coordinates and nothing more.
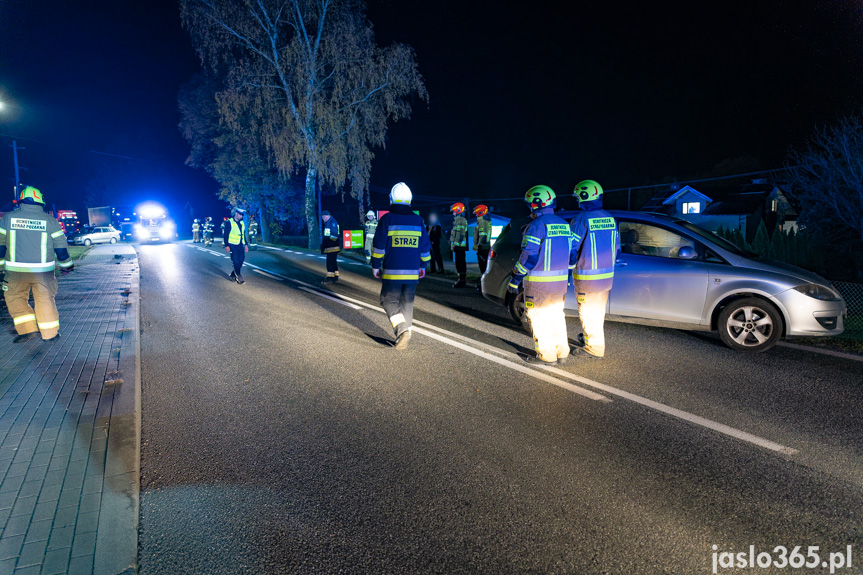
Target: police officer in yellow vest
(29, 240)
(235, 243)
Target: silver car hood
(780, 268)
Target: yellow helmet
(587, 190)
(31, 193)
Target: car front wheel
(750, 324)
(87, 242)
(113, 240)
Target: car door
(651, 281)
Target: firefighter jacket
(458, 235)
(369, 228)
(545, 254)
(235, 232)
(331, 241)
(196, 227)
(595, 245)
(29, 240)
(401, 246)
(208, 228)
(482, 234)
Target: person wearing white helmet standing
(400, 254)
(369, 227)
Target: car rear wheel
(515, 304)
(87, 242)
(113, 240)
(750, 324)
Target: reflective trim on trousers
(397, 319)
(48, 325)
(24, 319)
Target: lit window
(691, 207)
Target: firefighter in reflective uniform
(235, 243)
(543, 266)
(331, 245)
(458, 243)
(30, 239)
(196, 232)
(369, 227)
(481, 239)
(208, 231)
(400, 254)
(595, 246)
(253, 234)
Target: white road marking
(451, 339)
(829, 352)
(269, 275)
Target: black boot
(461, 282)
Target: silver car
(672, 273)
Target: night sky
(520, 93)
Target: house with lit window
(685, 200)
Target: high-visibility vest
(237, 233)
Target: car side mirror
(687, 253)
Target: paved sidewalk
(70, 428)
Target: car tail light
(491, 254)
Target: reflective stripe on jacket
(458, 235)
(29, 237)
(370, 227)
(401, 245)
(545, 253)
(482, 233)
(596, 243)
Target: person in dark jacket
(435, 233)
(399, 258)
(235, 242)
(331, 245)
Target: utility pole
(15, 149)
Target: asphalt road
(283, 434)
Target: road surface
(283, 434)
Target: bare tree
(310, 69)
(826, 177)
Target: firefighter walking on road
(481, 240)
(543, 266)
(235, 243)
(331, 245)
(400, 254)
(369, 228)
(596, 244)
(458, 243)
(30, 239)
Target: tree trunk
(312, 223)
(264, 225)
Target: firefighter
(458, 243)
(235, 243)
(399, 258)
(369, 227)
(331, 245)
(596, 244)
(30, 239)
(196, 232)
(253, 234)
(481, 240)
(208, 231)
(543, 265)
(435, 233)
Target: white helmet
(370, 215)
(401, 194)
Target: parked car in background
(97, 235)
(672, 273)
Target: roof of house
(740, 201)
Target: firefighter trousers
(45, 318)
(591, 312)
(368, 248)
(460, 262)
(482, 259)
(397, 299)
(547, 324)
(332, 265)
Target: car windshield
(719, 241)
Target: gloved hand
(376, 272)
(475, 247)
(512, 288)
(422, 273)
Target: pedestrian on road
(596, 245)
(399, 258)
(481, 240)
(196, 232)
(435, 234)
(543, 265)
(369, 227)
(458, 243)
(331, 245)
(30, 238)
(235, 243)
